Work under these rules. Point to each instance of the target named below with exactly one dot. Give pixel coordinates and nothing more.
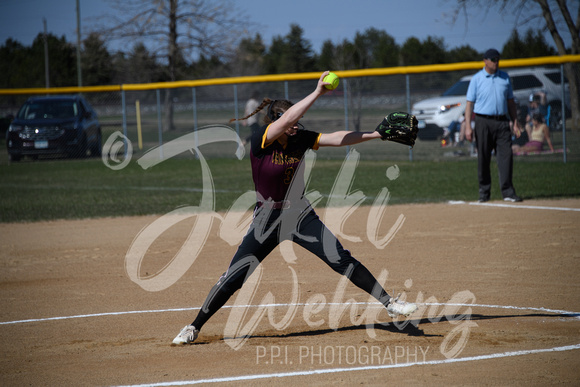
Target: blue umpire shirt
(490, 93)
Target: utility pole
(79, 73)
(46, 73)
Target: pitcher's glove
(399, 127)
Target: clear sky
(321, 20)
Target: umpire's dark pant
(493, 134)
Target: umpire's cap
(491, 53)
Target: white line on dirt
(455, 202)
(376, 304)
(328, 370)
(365, 368)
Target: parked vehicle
(435, 114)
(55, 125)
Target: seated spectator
(538, 133)
(538, 104)
(451, 133)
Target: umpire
(490, 96)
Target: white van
(435, 114)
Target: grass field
(72, 189)
(49, 189)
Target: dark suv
(57, 125)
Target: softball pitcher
(283, 213)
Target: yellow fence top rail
(506, 63)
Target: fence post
(159, 125)
(124, 105)
(194, 102)
(409, 109)
(236, 110)
(345, 87)
(563, 112)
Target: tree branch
(574, 29)
(547, 13)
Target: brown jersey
(274, 166)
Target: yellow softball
(331, 78)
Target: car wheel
(14, 158)
(81, 150)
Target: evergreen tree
(533, 45)
(463, 54)
(13, 54)
(25, 66)
(411, 52)
(514, 47)
(326, 59)
(297, 54)
(430, 51)
(376, 48)
(96, 62)
(273, 56)
(249, 57)
(62, 62)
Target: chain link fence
(152, 115)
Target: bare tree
(176, 31)
(557, 17)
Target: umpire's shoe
(186, 336)
(513, 198)
(397, 308)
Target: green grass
(72, 189)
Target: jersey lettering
(289, 175)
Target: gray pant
(493, 134)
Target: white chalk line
(368, 304)
(328, 370)
(521, 206)
(362, 368)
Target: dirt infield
(497, 286)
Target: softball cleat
(186, 336)
(397, 308)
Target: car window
(83, 107)
(87, 108)
(556, 78)
(525, 82)
(49, 109)
(460, 88)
